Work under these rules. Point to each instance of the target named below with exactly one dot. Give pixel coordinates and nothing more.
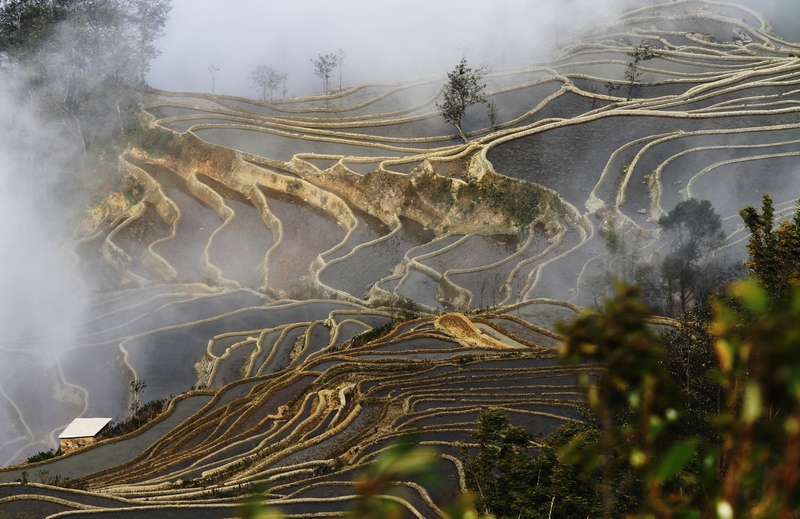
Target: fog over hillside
(392, 40)
(385, 41)
(41, 301)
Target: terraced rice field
(272, 235)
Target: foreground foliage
(511, 479)
(656, 445)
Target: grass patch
(518, 201)
(438, 189)
(155, 140)
(44, 455)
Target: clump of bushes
(402, 308)
(134, 190)
(143, 414)
(44, 455)
(305, 289)
(372, 334)
(437, 188)
(518, 201)
(155, 140)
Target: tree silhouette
(137, 385)
(213, 71)
(694, 230)
(643, 52)
(341, 56)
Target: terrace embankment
(442, 204)
(465, 331)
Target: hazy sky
(386, 40)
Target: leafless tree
(213, 71)
(267, 78)
(341, 56)
(323, 67)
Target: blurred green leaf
(752, 403)
(752, 295)
(675, 460)
(724, 351)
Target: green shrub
(134, 190)
(142, 415)
(153, 139)
(44, 455)
(437, 188)
(372, 334)
(518, 201)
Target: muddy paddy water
(239, 260)
(358, 271)
(137, 235)
(308, 231)
(198, 221)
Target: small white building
(81, 432)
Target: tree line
(72, 77)
(80, 62)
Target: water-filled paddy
(185, 250)
(95, 272)
(113, 454)
(347, 331)
(746, 182)
(473, 251)
(367, 229)
(232, 368)
(160, 357)
(171, 311)
(421, 288)
(295, 252)
(276, 355)
(421, 344)
(364, 267)
(184, 125)
(137, 235)
(565, 159)
(283, 148)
